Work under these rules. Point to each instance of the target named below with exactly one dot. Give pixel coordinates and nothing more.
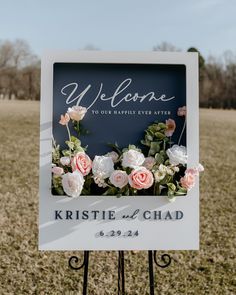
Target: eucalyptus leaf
(155, 146)
(159, 158)
(70, 144)
(162, 125)
(160, 135)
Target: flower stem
(156, 189)
(68, 130)
(54, 142)
(181, 134)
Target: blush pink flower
(57, 170)
(192, 171)
(65, 161)
(113, 155)
(119, 178)
(64, 119)
(188, 181)
(77, 113)
(82, 163)
(170, 124)
(140, 178)
(182, 111)
(149, 163)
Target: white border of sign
(154, 235)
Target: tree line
(20, 74)
(19, 71)
(217, 78)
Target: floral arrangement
(158, 169)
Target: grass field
(25, 270)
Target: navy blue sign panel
(122, 100)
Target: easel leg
(151, 272)
(86, 263)
(121, 273)
(83, 265)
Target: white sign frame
(153, 235)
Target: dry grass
(25, 270)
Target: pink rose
(119, 178)
(195, 171)
(182, 111)
(57, 170)
(140, 178)
(82, 163)
(149, 163)
(188, 181)
(170, 124)
(192, 171)
(64, 119)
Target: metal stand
(83, 265)
(165, 258)
(121, 273)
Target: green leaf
(162, 126)
(75, 140)
(151, 152)
(180, 193)
(70, 144)
(145, 142)
(155, 146)
(160, 135)
(159, 158)
(66, 153)
(79, 149)
(149, 137)
(171, 186)
(110, 191)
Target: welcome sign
(119, 151)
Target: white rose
(132, 159)
(159, 175)
(76, 113)
(119, 178)
(162, 168)
(200, 168)
(65, 161)
(177, 154)
(170, 170)
(73, 183)
(175, 168)
(113, 155)
(102, 166)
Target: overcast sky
(209, 25)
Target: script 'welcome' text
(120, 95)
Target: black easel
(166, 259)
(83, 265)
(121, 273)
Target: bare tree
(19, 71)
(165, 46)
(90, 47)
(6, 53)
